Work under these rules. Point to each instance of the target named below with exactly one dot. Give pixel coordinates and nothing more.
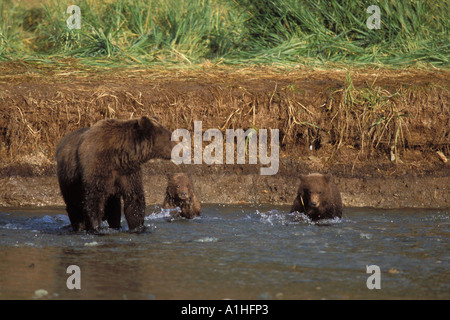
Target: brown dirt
(351, 124)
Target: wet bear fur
(100, 165)
(318, 197)
(180, 194)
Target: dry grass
(314, 109)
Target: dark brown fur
(318, 197)
(100, 165)
(180, 193)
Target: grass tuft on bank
(186, 32)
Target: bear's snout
(183, 195)
(314, 200)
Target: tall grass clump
(332, 30)
(229, 31)
(142, 30)
(9, 29)
(372, 118)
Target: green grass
(285, 32)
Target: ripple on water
(207, 239)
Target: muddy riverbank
(377, 187)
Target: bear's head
(159, 136)
(314, 194)
(180, 187)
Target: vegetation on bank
(364, 115)
(281, 32)
(344, 117)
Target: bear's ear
(302, 177)
(327, 177)
(144, 122)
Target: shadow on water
(231, 251)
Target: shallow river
(231, 251)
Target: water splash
(327, 222)
(274, 217)
(46, 222)
(207, 239)
(162, 214)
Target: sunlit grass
(228, 31)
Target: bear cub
(318, 197)
(99, 166)
(180, 193)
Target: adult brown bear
(318, 197)
(100, 165)
(180, 194)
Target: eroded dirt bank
(377, 131)
(365, 187)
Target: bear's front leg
(134, 209)
(76, 217)
(133, 200)
(113, 211)
(297, 205)
(94, 208)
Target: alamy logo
(74, 281)
(374, 21)
(213, 152)
(74, 21)
(374, 281)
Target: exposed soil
(351, 124)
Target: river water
(230, 252)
